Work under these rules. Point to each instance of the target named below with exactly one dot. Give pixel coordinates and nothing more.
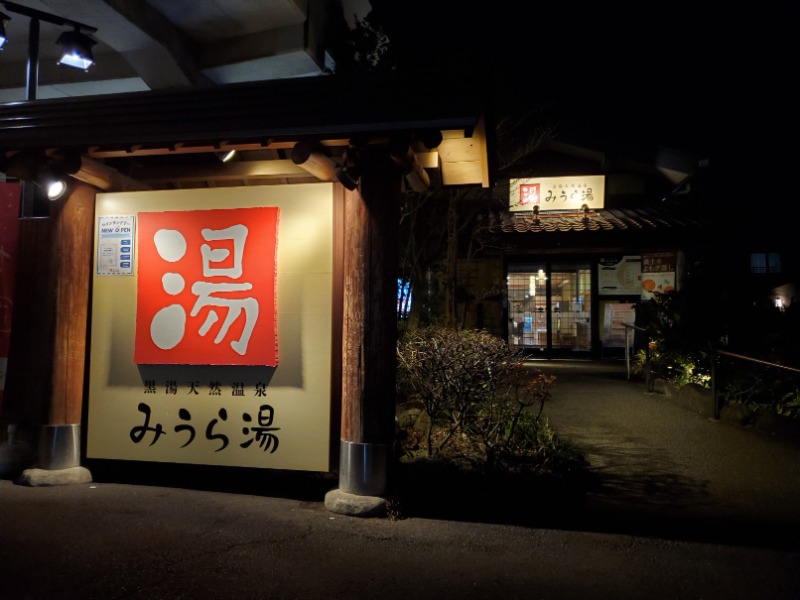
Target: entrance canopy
(433, 129)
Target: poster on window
(206, 287)
(115, 245)
(217, 349)
(619, 276)
(659, 270)
(615, 319)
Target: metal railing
(630, 328)
(749, 359)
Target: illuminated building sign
(206, 287)
(184, 361)
(557, 193)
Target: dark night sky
(648, 71)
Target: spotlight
(348, 176)
(52, 183)
(226, 155)
(349, 173)
(56, 188)
(4, 19)
(77, 49)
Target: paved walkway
(661, 469)
(682, 508)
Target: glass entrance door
(550, 307)
(527, 307)
(570, 299)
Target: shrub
(760, 390)
(789, 405)
(677, 367)
(483, 404)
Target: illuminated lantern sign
(569, 194)
(206, 287)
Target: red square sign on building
(206, 287)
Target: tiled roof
(617, 219)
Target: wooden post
(371, 216)
(27, 391)
(49, 330)
(72, 227)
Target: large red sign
(206, 287)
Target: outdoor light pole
(33, 60)
(35, 17)
(59, 452)
(32, 84)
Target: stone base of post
(362, 480)
(47, 477)
(59, 458)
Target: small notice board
(614, 318)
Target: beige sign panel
(557, 193)
(272, 417)
(619, 275)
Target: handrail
(714, 388)
(758, 360)
(628, 327)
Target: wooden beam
(164, 150)
(320, 166)
(105, 178)
(415, 175)
(242, 170)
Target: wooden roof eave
(271, 110)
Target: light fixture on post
(77, 40)
(56, 188)
(76, 43)
(77, 49)
(349, 174)
(4, 19)
(53, 184)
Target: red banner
(206, 287)
(9, 234)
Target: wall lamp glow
(56, 188)
(52, 183)
(53, 187)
